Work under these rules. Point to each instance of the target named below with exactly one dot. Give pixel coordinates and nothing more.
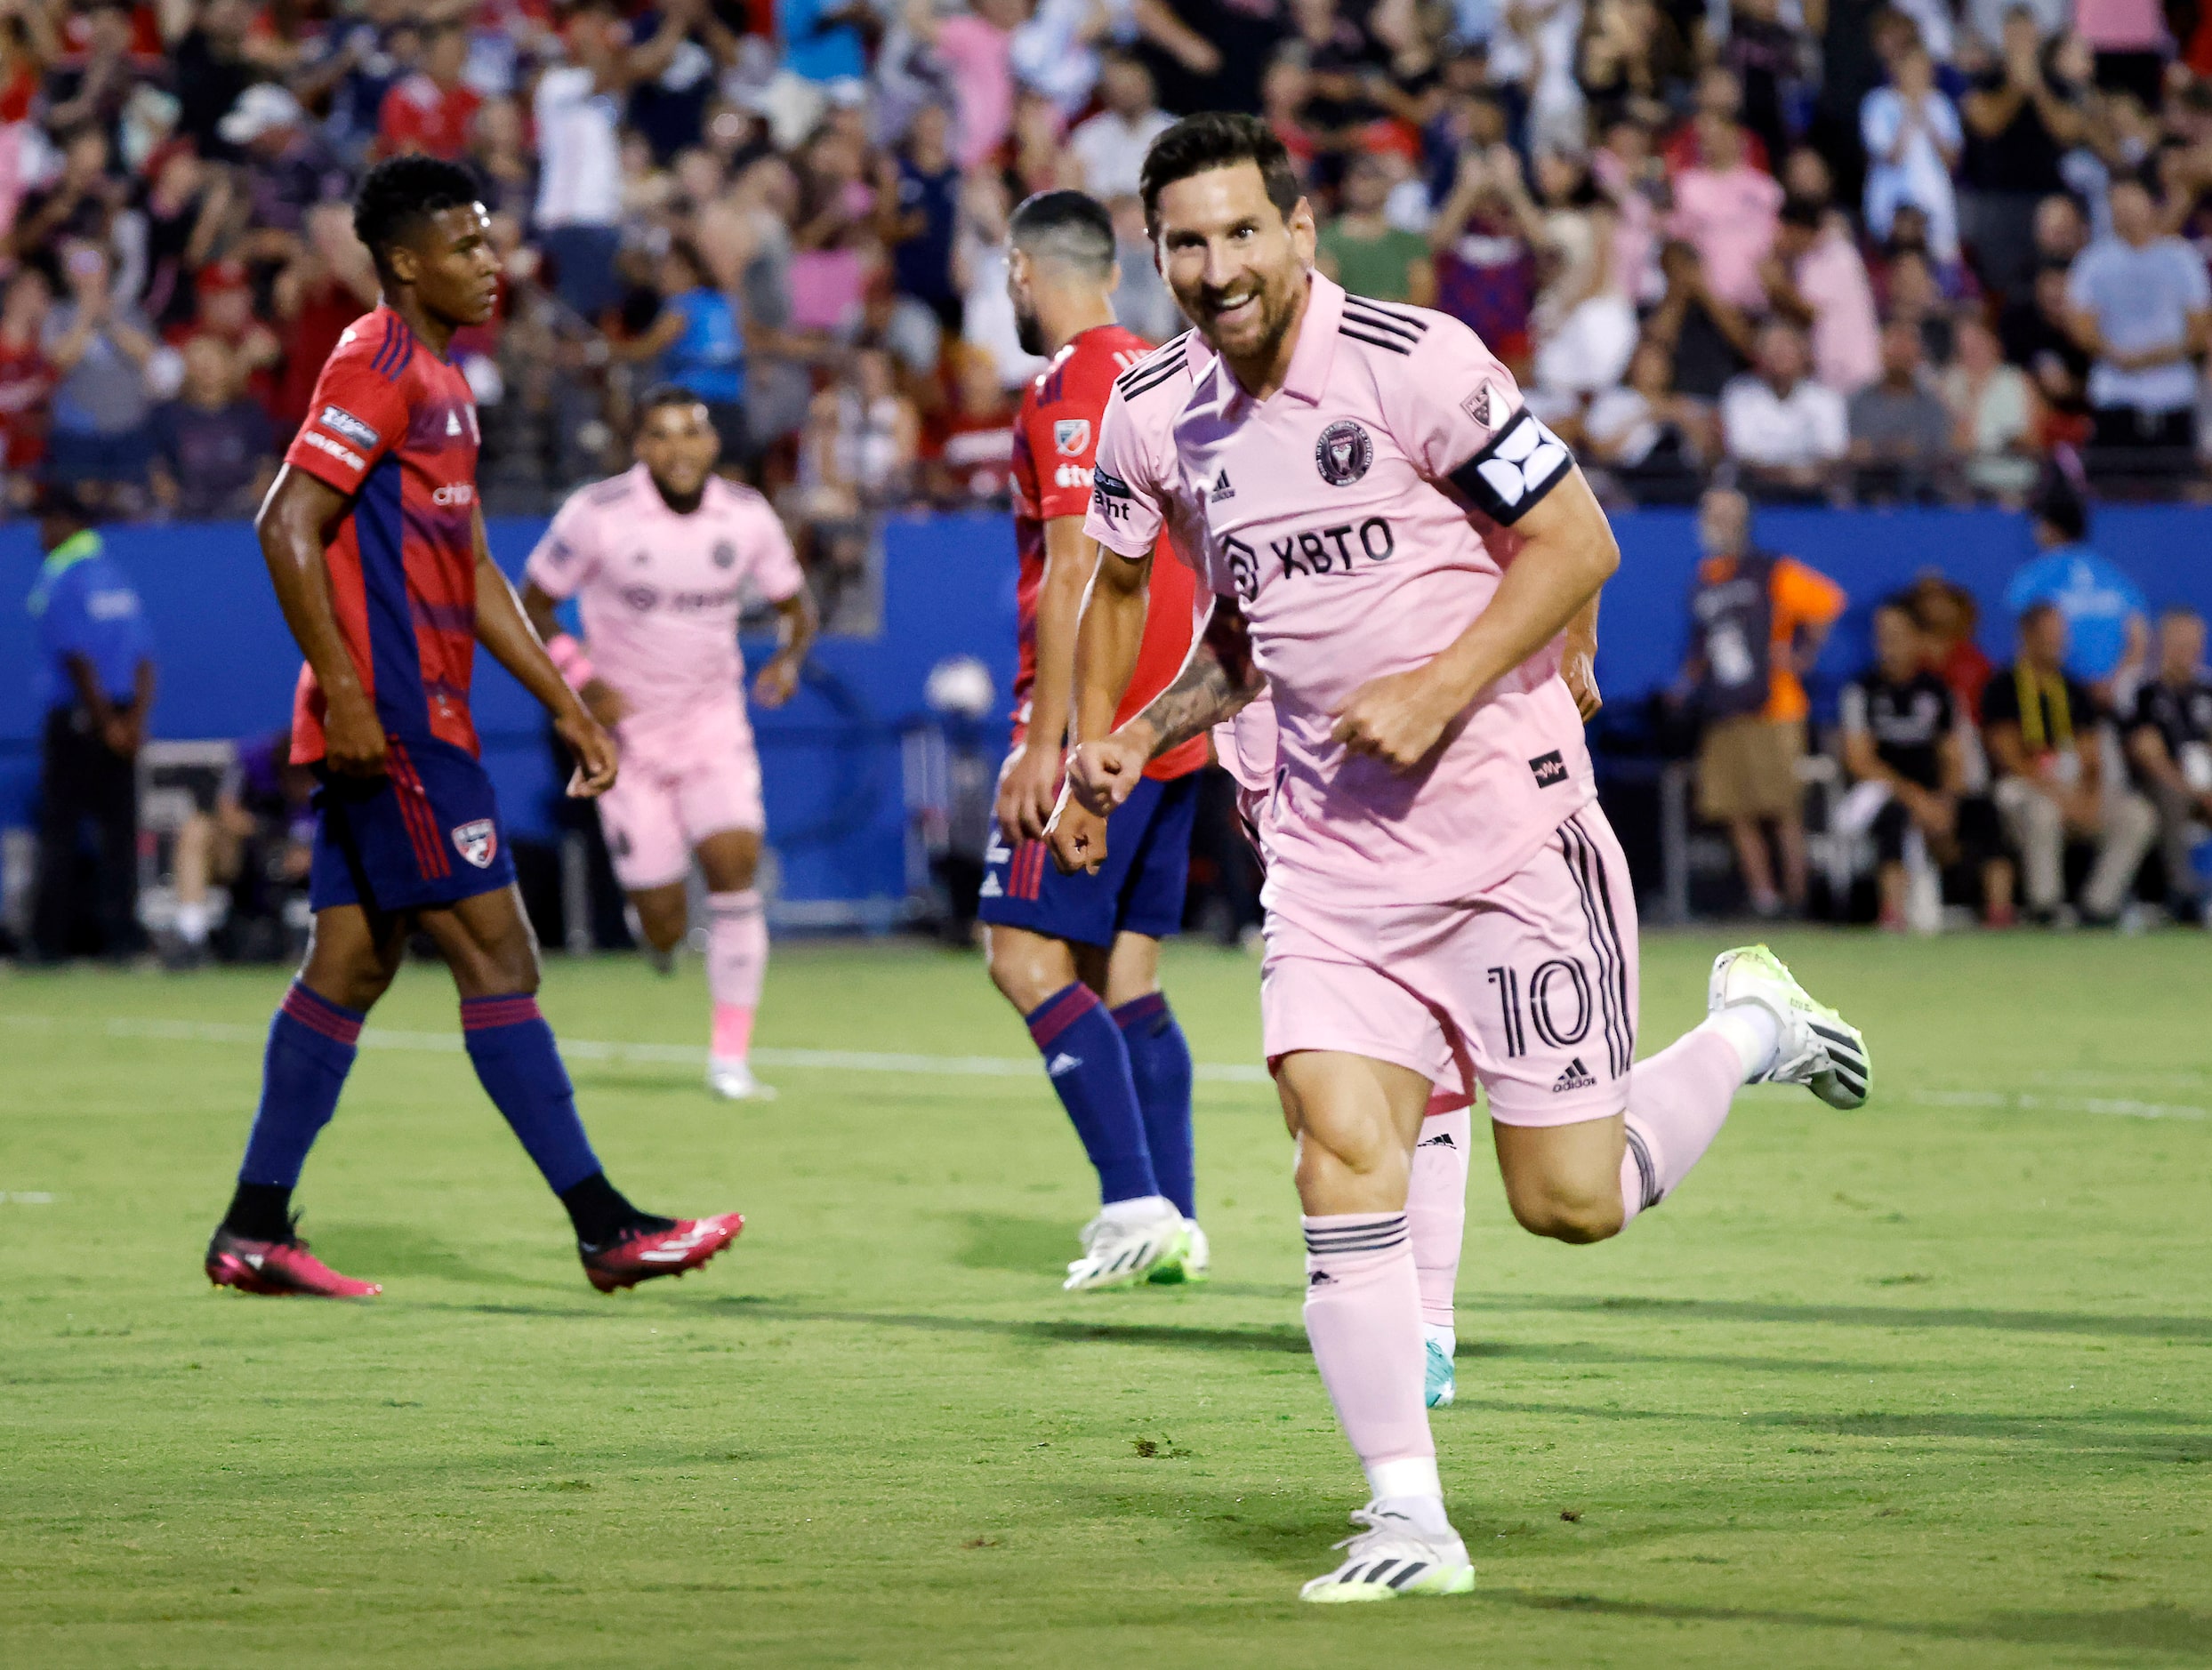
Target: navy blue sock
(1159, 1064)
(1089, 1066)
(519, 1064)
(312, 1042)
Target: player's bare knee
(1028, 968)
(1577, 1217)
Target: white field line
(2013, 1101)
(604, 1050)
(1022, 1067)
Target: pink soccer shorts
(1529, 989)
(679, 783)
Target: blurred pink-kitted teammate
(662, 560)
(1137, 449)
(1395, 546)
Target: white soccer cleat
(1819, 1048)
(1392, 1558)
(1120, 1250)
(733, 1081)
(1195, 1263)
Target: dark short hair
(61, 500)
(402, 192)
(1801, 212)
(2040, 609)
(666, 394)
(1215, 138)
(1067, 226)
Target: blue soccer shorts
(1137, 890)
(426, 833)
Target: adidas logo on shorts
(1577, 1077)
(1442, 1139)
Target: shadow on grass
(1864, 1315)
(2159, 1628)
(1286, 1337)
(2083, 1433)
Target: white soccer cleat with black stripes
(1120, 1250)
(1393, 1558)
(1818, 1048)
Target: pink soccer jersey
(1145, 493)
(1343, 514)
(660, 593)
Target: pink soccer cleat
(279, 1267)
(664, 1252)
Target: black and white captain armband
(1523, 461)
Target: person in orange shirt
(1757, 622)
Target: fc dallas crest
(477, 842)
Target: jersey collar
(1308, 378)
(79, 547)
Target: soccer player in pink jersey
(1137, 452)
(662, 560)
(1402, 549)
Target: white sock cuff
(1139, 1208)
(743, 902)
(1751, 1027)
(1410, 1475)
(1354, 1233)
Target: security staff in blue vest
(94, 679)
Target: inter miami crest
(477, 842)
(1343, 453)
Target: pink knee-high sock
(1363, 1316)
(1435, 1208)
(736, 962)
(1677, 1101)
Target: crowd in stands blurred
(1855, 250)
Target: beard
(1027, 332)
(1277, 302)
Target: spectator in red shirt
(430, 111)
(969, 456)
(25, 382)
(326, 286)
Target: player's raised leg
(312, 1040)
(487, 942)
(1575, 1170)
(1355, 1120)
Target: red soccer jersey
(393, 426)
(1055, 437)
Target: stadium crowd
(1828, 251)
(1852, 249)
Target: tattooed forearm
(1218, 682)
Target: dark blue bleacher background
(832, 758)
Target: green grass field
(1931, 1383)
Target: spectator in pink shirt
(978, 46)
(1815, 279)
(1727, 209)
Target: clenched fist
(1396, 718)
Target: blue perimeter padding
(831, 758)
